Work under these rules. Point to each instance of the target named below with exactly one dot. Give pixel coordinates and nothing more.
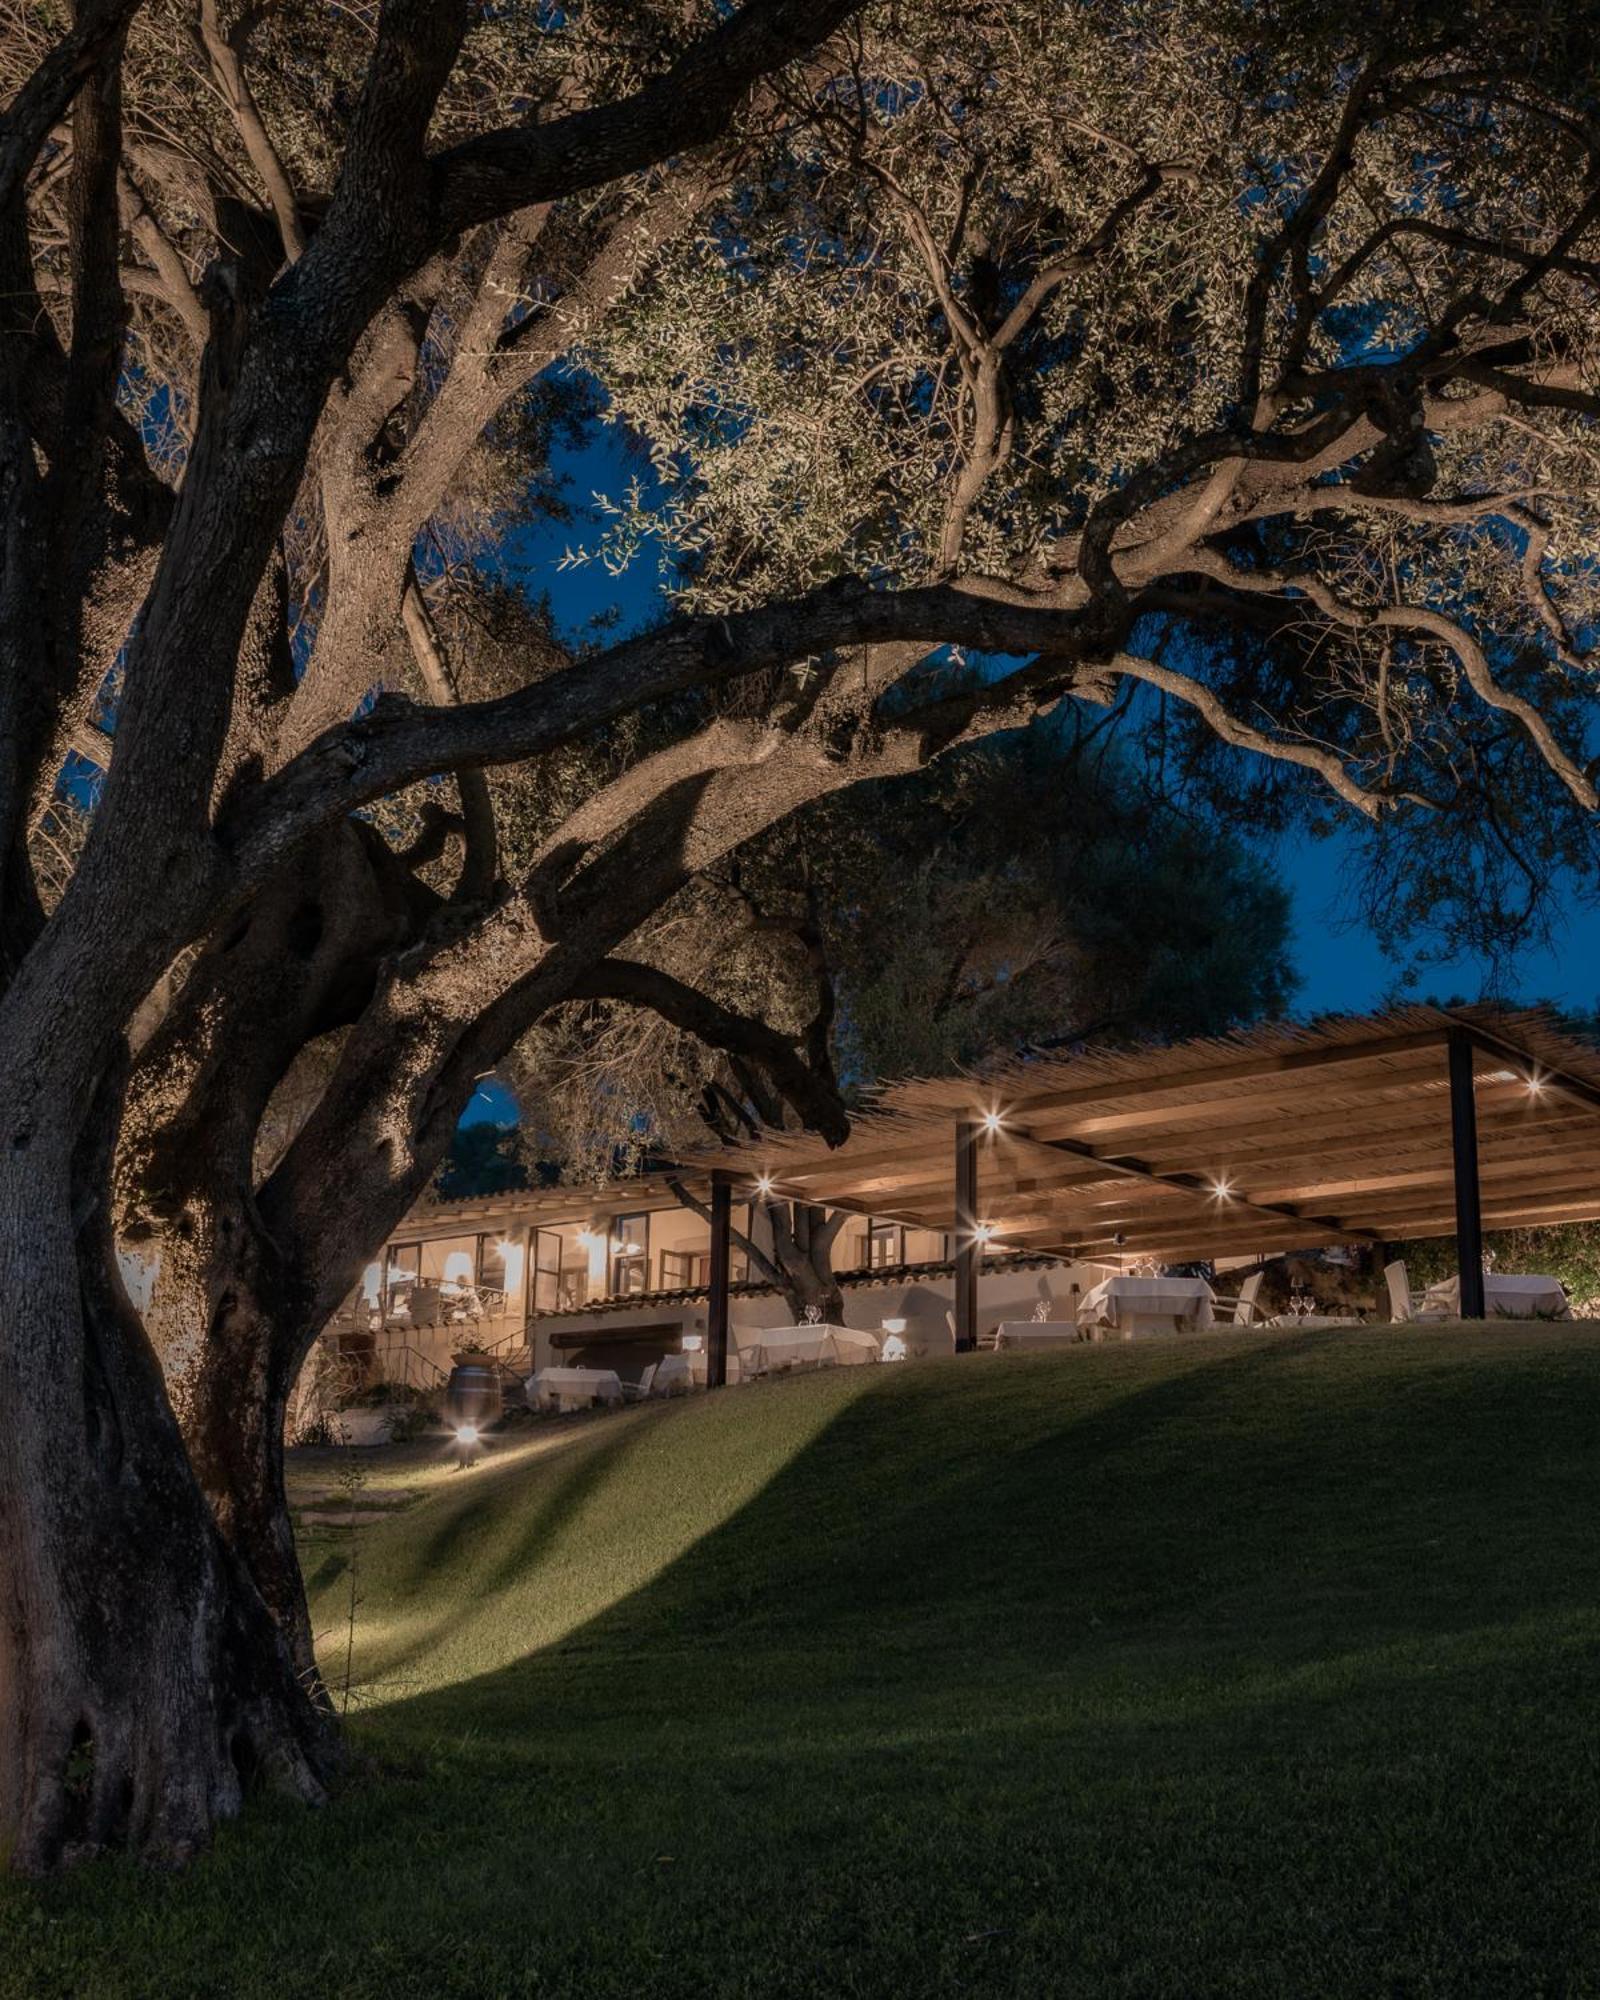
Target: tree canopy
(909, 928)
(987, 358)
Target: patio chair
(635, 1392)
(1244, 1306)
(1404, 1304)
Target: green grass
(1251, 1665)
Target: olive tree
(1246, 359)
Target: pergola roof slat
(1283, 1134)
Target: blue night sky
(1340, 964)
(1343, 970)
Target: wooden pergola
(1417, 1122)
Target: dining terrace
(1359, 1132)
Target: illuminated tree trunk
(142, 1682)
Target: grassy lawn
(1249, 1665)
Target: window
(738, 1262)
(685, 1269)
(404, 1261)
(630, 1254)
(494, 1254)
(447, 1262)
(547, 1292)
(500, 1267)
(886, 1245)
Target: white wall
(921, 1303)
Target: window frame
(894, 1233)
(392, 1253)
(621, 1264)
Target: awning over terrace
(1417, 1122)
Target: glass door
(546, 1270)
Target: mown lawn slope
(1255, 1664)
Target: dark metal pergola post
(968, 1248)
(717, 1312)
(1464, 1152)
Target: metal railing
(417, 1371)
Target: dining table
(1506, 1295)
(688, 1370)
(1021, 1333)
(574, 1388)
(1133, 1307)
(765, 1350)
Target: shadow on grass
(1259, 1667)
(1223, 1500)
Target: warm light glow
(983, 1231)
(466, 1434)
(1222, 1188)
(511, 1256)
(992, 1121)
(1535, 1085)
(763, 1183)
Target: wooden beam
(1547, 1076)
(1513, 1215)
(1202, 1189)
(968, 1248)
(1289, 1135)
(1408, 1178)
(1227, 1076)
(1548, 1189)
(1240, 1106)
(717, 1308)
(1143, 1237)
(1464, 1151)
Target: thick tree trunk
(142, 1682)
(235, 1435)
(802, 1240)
(224, 1322)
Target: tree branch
(814, 1096)
(480, 864)
(687, 106)
(227, 65)
(759, 1258)
(38, 106)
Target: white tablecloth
(675, 1372)
(767, 1347)
(1135, 1304)
(1036, 1332)
(1311, 1321)
(1507, 1294)
(574, 1388)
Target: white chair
(635, 1392)
(1404, 1303)
(1244, 1306)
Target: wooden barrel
(472, 1396)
